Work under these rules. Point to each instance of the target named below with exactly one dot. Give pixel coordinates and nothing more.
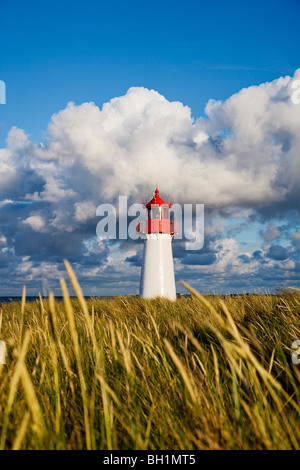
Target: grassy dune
(199, 373)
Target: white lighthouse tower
(157, 275)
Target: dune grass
(204, 372)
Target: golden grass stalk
(82, 302)
(33, 403)
(54, 342)
(22, 313)
(187, 380)
(21, 432)
(74, 337)
(13, 388)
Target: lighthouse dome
(156, 201)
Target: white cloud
(84, 211)
(140, 139)
(272, 232)
(296, 235)
(36, 222)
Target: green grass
(204, 372)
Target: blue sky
(60, 51)
(188, 53)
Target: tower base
(157, 276)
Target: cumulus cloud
(271, 233)
(296, 239)
(278, 252)
(84, 210)
(35, 222)
(243, 155)
(141, 138)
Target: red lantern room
(158, 217)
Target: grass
(204, 372)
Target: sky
(109, 98)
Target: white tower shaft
(157, 277)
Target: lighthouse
(157, 274)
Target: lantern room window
(154, 213)
(165, 213)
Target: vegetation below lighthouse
(204, 372)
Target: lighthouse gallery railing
(157, 226)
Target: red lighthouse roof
(157, 201)
(158, 217)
